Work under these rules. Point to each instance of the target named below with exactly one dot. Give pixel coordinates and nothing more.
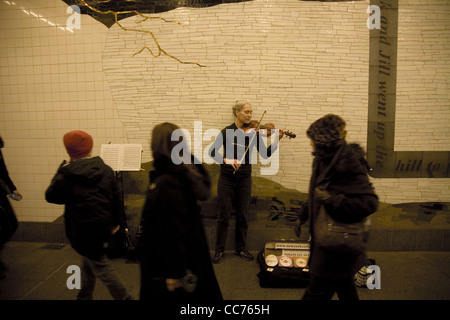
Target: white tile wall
(51, 82)
(423, 95)
(298, 60)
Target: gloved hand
(298, 228)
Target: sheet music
(131, 157)
(122, 157)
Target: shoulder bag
(119, 245)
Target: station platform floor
(38, 271)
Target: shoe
(244, 254)
(218, 256)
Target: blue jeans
(233, 190)
(100, 268)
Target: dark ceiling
(142, 6)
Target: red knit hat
(78, 144)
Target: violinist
(235, 180)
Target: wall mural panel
(248, 51)
(386, 162)
(109, 12)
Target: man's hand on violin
(233, 162)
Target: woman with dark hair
(174, 254)
(348, 198)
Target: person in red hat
(78, 144)
(88, 189)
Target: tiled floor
(38, 271)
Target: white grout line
(48, 277)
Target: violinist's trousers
(233, 190)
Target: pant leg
(243, 196)
(103, 270)
(324, 289)
(225, 195)
(319, 289)
(346, 289)
(87, 281)
(156, 291)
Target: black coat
(8, 219)
(352, 199)
(6, 184)
(173, 237)
(88, 189)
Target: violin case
(284, 264)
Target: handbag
(339, 237)
(334, 236)
(119, 245)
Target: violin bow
(251, 141)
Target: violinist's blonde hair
(238, 105)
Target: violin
(256, 125)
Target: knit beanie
(78, 144)
(327, 132)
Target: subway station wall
(296, 60)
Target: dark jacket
(173, 237)
(8, 219)
(352, 198)
(6, 184)
(88, 189)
